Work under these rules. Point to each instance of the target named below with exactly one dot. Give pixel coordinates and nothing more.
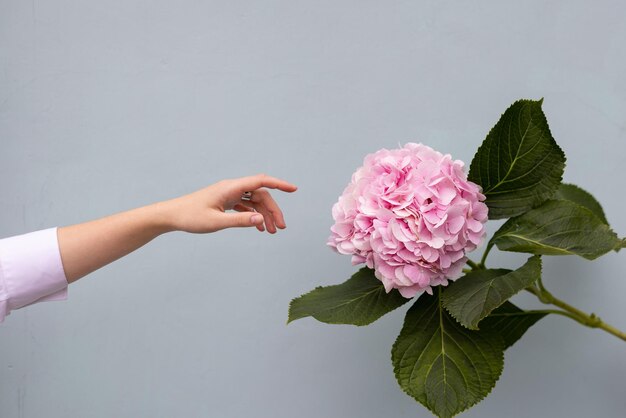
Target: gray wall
(106, 106)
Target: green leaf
(558, 227)
(519, 165)
(473, 296)
(575, 194)
(444, 366)
(510, 322)
(360, 300)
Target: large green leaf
(510, 322)
(583, 198)
(475, 295)
(360, 300)
(518, 165)
(558, 227)
(444, 366)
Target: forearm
(88, 246)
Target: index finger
(250, 183)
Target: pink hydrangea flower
(411, 215)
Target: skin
(88, 246)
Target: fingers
(251, 183)
(270, 224)
(243, 208)
(238, 219)
(266, 206)
(265, 203)
(261, 202)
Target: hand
(205, 210)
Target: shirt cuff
(31, 270)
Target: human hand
(206, 210)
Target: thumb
(239, 219)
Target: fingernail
(256, 219)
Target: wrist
(160, 218)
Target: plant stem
(485, 254)
(473, 265)
(589, 320)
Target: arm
(86, 247)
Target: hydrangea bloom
(411, 215)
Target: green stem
(589, 320)
(473, 265)
(485, 254)
(535, 292)
(542, 288)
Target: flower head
(411, 215)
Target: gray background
(105, 106)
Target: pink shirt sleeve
(30, 270)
